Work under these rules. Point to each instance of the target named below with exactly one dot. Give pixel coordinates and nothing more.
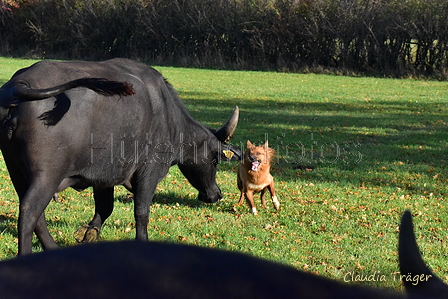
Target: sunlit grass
(353, 154)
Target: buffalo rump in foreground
(134, 269)
(64, 127)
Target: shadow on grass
(171, 198)
(165, 198)
(320, 134)
(267, 116)
(8, 224)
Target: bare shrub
(380, 37)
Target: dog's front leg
(275, 201)
(250, 200)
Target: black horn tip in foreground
(418, 279)
(226, 132)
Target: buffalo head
(198, 163)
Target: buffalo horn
(226, 132)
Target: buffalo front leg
(142, 201)
(104, 205)
(144, 187)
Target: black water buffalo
(134, 269)
(61, 130)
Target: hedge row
(387, 37)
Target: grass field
(353, 154)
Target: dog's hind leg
(240, 202)
(263, 198)
(241, 187)
(275, 201)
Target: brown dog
(254, 176)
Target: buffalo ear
(231, 153)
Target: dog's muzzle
(254, 163)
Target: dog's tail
(418, 279)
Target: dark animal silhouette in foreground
(118, 122)
(134, 269)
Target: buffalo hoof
(87, 234)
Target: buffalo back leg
(31, 217)
(25, 192)
(43, 234)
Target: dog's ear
(231, 153)
(266, 145)
(249, 144)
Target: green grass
(353, 154)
